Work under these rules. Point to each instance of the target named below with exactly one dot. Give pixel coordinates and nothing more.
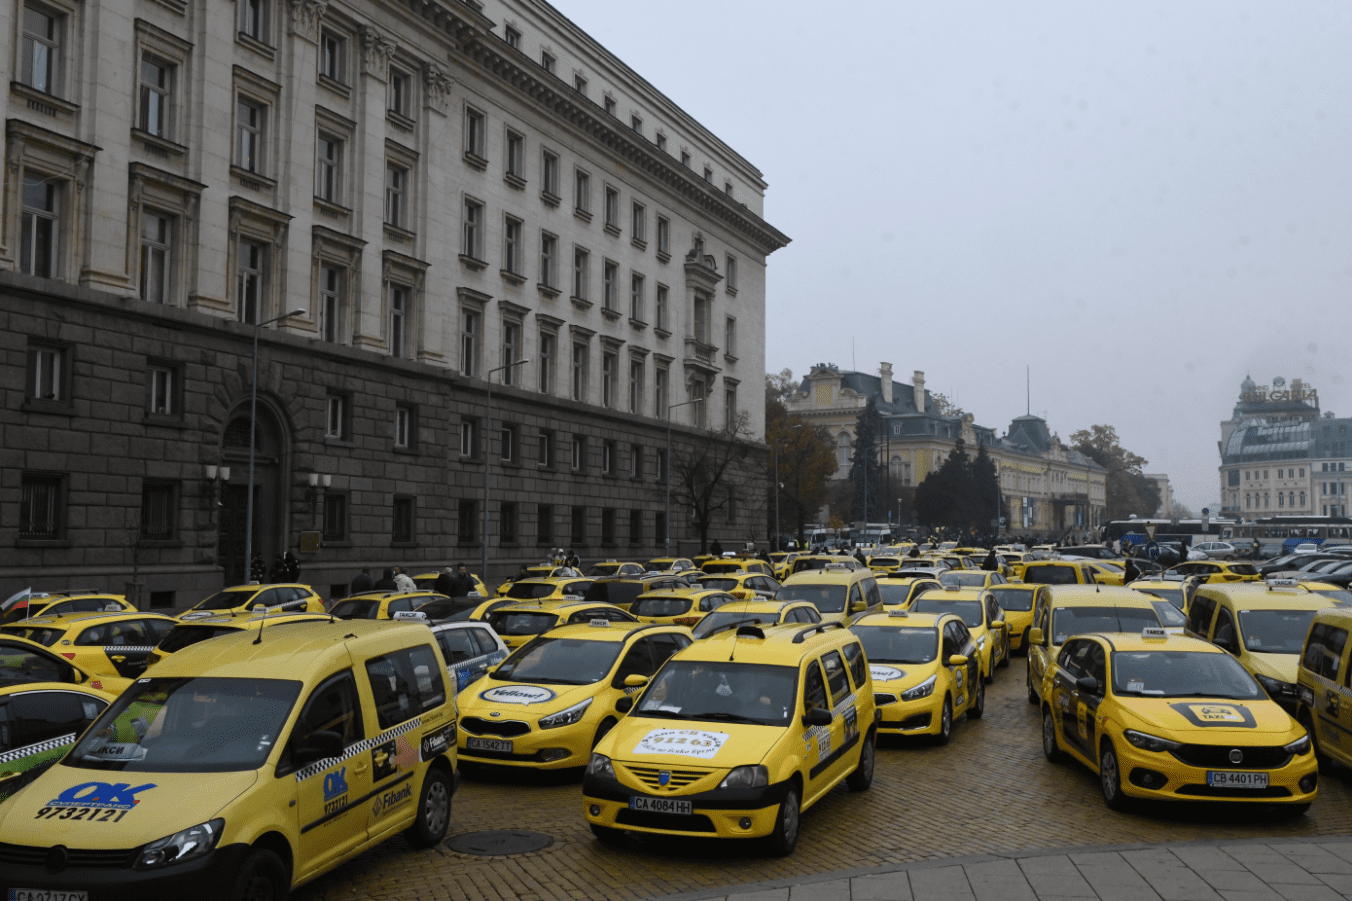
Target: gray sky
(1143, 201)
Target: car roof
(259, 587)
(71, 620)
(248, 619)
(1135, 641)
(1264, 595)
(955, 593)
(829, 576)
(609, 632)
(790, 640)
(1096, 596)
(677, 594)
(913, 619)
(759, 606)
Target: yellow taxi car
(39, 721)
(547, 705)
(23, 662)
(615, 568)
(539, 571)
(900, 589)
(1055, 572)
(1017, 601)
(518, 623)
(737, 564)
(190, 633)
(1175, 591)
(562, 588)
(1323, 686)
(109, 644)
(428, 582)
(1217, 571)
(680, 608)
(781, 561)
(1066, 610)
(1106, 572)
(884, 563)
(292, 598)
(245, 767)
(381, 604)
(1262, 625)
(972, 578)
(670, 565)
(741, 585)
(983, 617)
(759, 612)
(925, 671)
(813, 562)
(1336, 595)
(736, 736)
(839, 592)
(58, 603)
(1165, 717)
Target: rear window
(620, 593)
(530, 590)
(46, 637)
(508, 622)
(718, 584)
(722, 567)
(826, 598)
(660, 606)
(356, 609)
(894, 592)
(1017, 600)
(1050, 575)
(186, 636)
(405, 684)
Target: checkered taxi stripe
(41, 747)
(360, 747)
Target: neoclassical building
(1047, 488)
(395, 203)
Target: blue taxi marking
(463, 670)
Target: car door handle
(380, 757)
(360, 768)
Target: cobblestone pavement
(988, 792)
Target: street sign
(1152, 550)
(1150, 531)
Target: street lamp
(253, 432)
(488, 428)
(779, 435)
(666, 532)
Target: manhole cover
(499, 842)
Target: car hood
(1275, 666)
(516, 700)
(901, 676)
(146, 806)
(644, 741)
(1210, 720)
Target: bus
(1293, 530)
(1186, 531)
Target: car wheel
(1033, 697)
(1004, 658)
(262, 877)
(1023, 645)
(607, 835)
(945, 723)
(434, 810)
(862, 777)
(784, 838)
(978, 707)
(1050, 749)
(1110, 778)
(1325, 764)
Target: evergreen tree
(987, 485)
(867, 503)
(947, 498)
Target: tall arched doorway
(270, 491)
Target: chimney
(885, 371)
(918, 381)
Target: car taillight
(686, 620)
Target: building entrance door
(234, 515)
(269, 496)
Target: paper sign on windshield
(685, 742)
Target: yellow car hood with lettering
(1211, 721)
(692, 744)
(899, 677)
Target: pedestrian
(403, 581)
(574, 560)
(716, 548)
(363, 581)
(990, 564)
(386, 581)
(290, 567)
(1256, 549)
(464, 582)
(859, 555)
(1130, 573)
(522, 573)
(445, 583)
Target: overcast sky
(1141, 201)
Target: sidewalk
(1305, 869)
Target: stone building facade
(423, 196)
(1047, 488)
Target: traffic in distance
(264, 738)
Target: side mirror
(958, 660)
(817, 716)
(624, 704)
(858, 607)
(1087, 684)
(635, 681)
(321, 746)
(1035, 636)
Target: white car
(1308, 547)
(470, 647)
(1217, 550)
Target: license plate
(660, 805)
(490, 744)
(1231, 779)
(46, 894)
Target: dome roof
(1246, 385)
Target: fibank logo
(518, 694)
(335, 784)
(118, 796)
(391, 799)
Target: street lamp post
(666, 532)
(776, 449)
(488, 429)
(253, 431)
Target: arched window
(844, 450)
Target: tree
(709, 473)
(1130, 493)
(945, 407)
(868, 502)
(806, 459)
(947, 498)
(986, 485)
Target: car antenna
(733, 653)
(262, 611)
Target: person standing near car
(386, 581)
(445, 583)
(403, 581)
(362, 582)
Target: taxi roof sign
(1287, 584)
(112, 608)
(599, 623)
(1154, 633)
(410, 614)
(901, 614)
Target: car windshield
(225, 600)
(884, 561)
(352, 609)
(894, 592)
(717, 584)
(1275, 631)
(527, 591)
(1170, 616)
(515, 622)
(1243, 569)
(898, 644)
(1172, 595)
(1048, 574)
(1068, 621)
(1182, 674)
(719, 620)
(722, 691)
(188, 725)
(444, 607)
(970, 611)
(1340, 597)
(560, 661)
(184, 636)
(659, 606)
(603, 569)
(826, 598)
(728, 567)
(45, 637)
(1018, 600)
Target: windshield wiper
(728, 717)
(657, 713)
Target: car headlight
(1299, 746)
(746, 777)
(600, 765)
(1150, 742)
(1276, 686)
(565, 717)
(181, 847)
(923, 690)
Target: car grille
(673, 822)
(881, 699)
(651, 777)
(503, 728)
(1206, 791)
(28, 855)
(1217, 757)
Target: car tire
(608, 835)
(784, 838)
(434, 810)
(1004, 658)
(262, 877)
(945, 723)
(1023, 645)
(1033, 696)
(1110, 778)
(1050, 749)
(978, 705)
(1322, 759)
(862, 777)
(606, 725)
